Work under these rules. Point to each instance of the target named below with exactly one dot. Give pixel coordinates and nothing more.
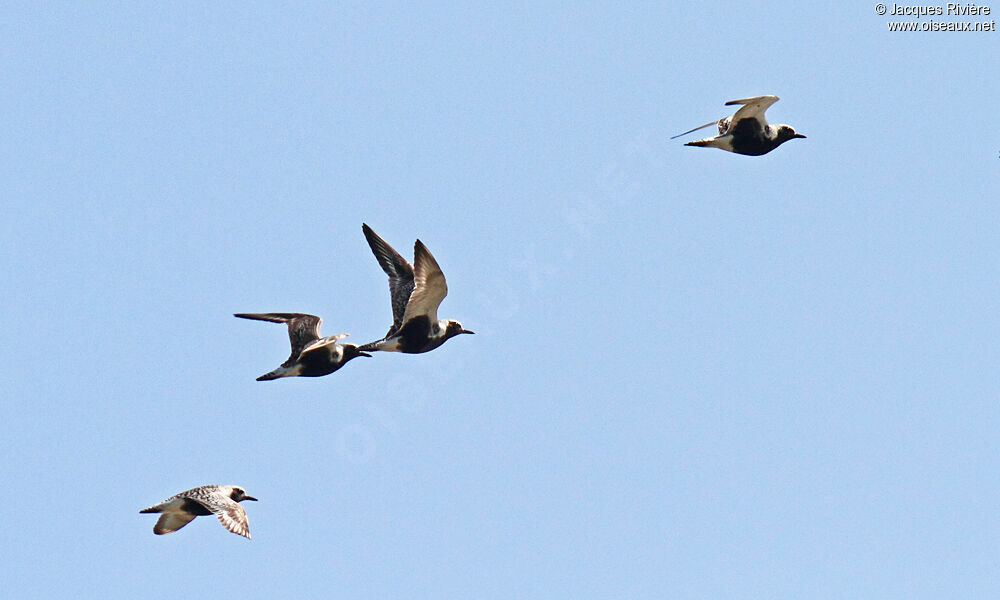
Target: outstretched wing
(400, 275)
(753, 108)
(230, 513)
(302, 329)
(430, 286)
(233, 517)
(697, 128)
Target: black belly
(414, 336)
(748, 138)
(318, 363)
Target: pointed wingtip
(421, 253)
(770, 97)
(709, 124)
(375, 241)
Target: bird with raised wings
(312, 355)
(219, 500)
(416, 293)
(747, 131)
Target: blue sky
(695, 374)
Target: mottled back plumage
(220, 500)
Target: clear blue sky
(695, 374)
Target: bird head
(454, 328)
(786, 133)
(239, 495)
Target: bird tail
(376, 345)
(275, 374)
(288, 369)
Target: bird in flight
(747, 131)
(416, 293)
(219, 500)
(312, 355)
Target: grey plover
(416, 292)
(746, 132)
(219, 500)
(312, 356)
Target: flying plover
(416, 293)
(219, 500)
(312, 356)
(746, 132)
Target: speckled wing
(430, 286)
(204, 495)
(231, 515)
(400, 274)
(302, 329)
(753, 108)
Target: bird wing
(234, 518)
(696, 129)
(323, 342)
(230, 513)
(430, 286)
(400, 275)
(302, 329)
(753, 108)
(172, 521)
